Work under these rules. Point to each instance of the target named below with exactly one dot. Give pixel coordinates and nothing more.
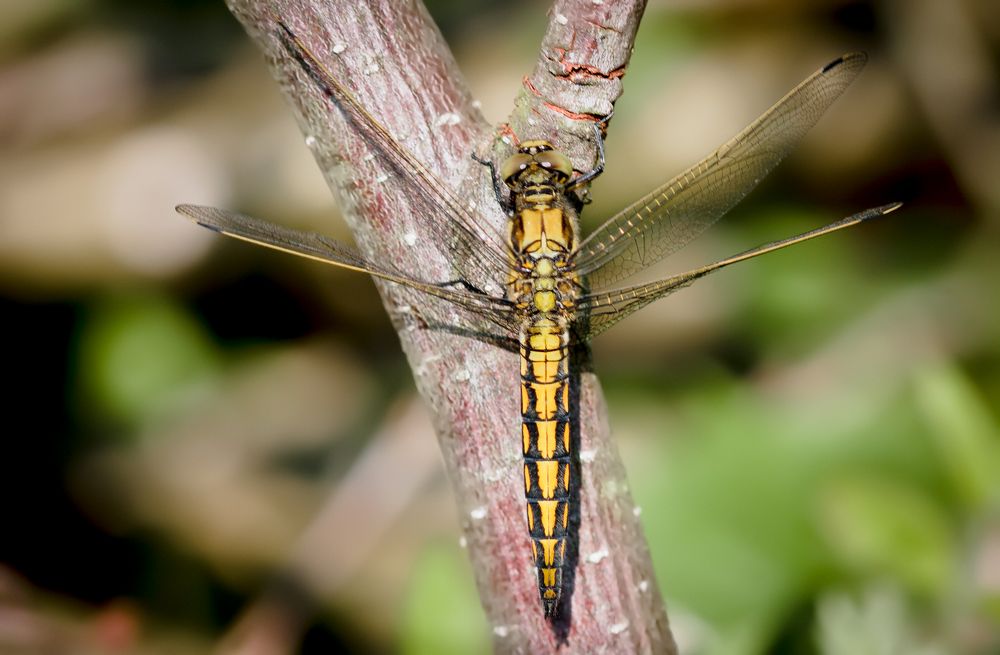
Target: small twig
(578, 77)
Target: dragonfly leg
(504, 203)
(460, 283)
(599, 167)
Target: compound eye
(514, 165)
(553, 160)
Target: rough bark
(390, 54)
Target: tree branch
(578, 77)
(389, 53)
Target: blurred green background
(812, 437)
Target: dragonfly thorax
(542, 240)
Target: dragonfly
(560, 288)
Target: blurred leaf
(442, 614)
(964, 431)
(877, 624)
(726, 514)
(138, 356)
(990, 607)
(881, 527)
(730, 481)
(800, 295)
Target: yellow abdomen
(546, 438)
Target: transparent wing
(498, 311)
(602, 310)
(480, 252)
(671, 216)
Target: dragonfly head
(536, 162)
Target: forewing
(671, 216)
(479, 252)
(602, 310)
(314, 246)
